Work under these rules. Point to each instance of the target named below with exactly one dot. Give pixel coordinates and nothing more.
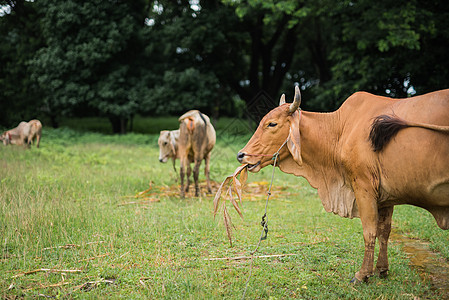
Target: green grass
(72, 191)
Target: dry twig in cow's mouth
(232, 185)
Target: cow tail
(383, 129)
(205, 122)
(202, 118)
(190, 124)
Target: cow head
(279, 126)
(6, 138)
(167, 146)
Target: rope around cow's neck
(264, 222)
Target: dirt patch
(253, 191)
(430, 265)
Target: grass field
(70, 207)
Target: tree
(229, 54)
(118, 58)
(20, 39)
(393, 48)
(91, 58)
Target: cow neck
(320, 134)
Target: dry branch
(47, 286)
(249, 257)
(232, 185)
(235, 185)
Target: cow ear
(293, 140)
(172, 143)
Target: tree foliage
(91, 49)
(120, 58)
(20, 38)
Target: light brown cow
(24, 134)
(196, 141)
(168, 146)
(371, 154)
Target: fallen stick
(65, 247)
(91, 284)
(68, 246)
(146, 201)
(97, 242)
(249, 257)
(92, 258)
(47, 286)
(46, 270)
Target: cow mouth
(252, 167)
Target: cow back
(197, 135)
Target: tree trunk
(54, 121)
(118, 124)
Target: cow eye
(165, 143)
(272, 124)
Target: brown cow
(168, 146)
(24, 134)
(371, 154)
(196, 140)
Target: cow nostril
(240, 156)
(160, 159)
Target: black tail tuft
(383, 129)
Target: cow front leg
(369, 216)
(196, 172)
(383, 233)
(174, 168)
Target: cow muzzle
(251, 167)
(240, 157)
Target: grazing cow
(196, 140)
(168, 146)
(371, 154)
(24, 134)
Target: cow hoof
(383, 274)
(355, 281)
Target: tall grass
(67, 206)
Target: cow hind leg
(383, 233)
(207, 172)
(189, 172)
(196, 172)
(182, 171)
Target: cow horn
(282, 101)
(295, 105)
